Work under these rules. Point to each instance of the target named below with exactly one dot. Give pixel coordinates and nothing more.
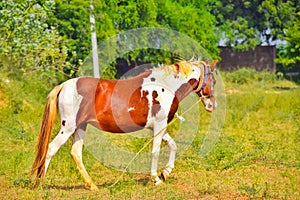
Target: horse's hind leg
(76, 154)
(61, 138)
(68, 106)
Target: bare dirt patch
(234, 91)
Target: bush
(247, 75)
(27, 42)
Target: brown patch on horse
(86, 88)
(120, 105)
(179, 95)
(104, 106)
(155, 104)
(140, 114)
(173, 109)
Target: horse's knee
(74, 154)
(52, 149)
(171, 143)
(155, 154)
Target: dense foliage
(27, 41)
(289, 54)
(55, 34)
(245, 24)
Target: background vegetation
(44, 34)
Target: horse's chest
(160, 100)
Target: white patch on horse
(131, 109)
(165, 86)
(69, 106)
(68, 109)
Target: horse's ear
(176, 67)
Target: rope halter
(206, 71)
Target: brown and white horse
(149, 100)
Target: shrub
(27, 42)
(247, 75)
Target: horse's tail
(45, 132)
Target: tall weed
(246, 75)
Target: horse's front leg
(172, 145)
(159, 131)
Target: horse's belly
(120, 124)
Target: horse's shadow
(141, 181)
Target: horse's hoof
(157, 183)
(94, 187)
(156, 180)
(91, 186)
(165, 174)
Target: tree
(192, 18)
(72, 21)
(289, 54)
(116, 16)
(245, 24)
(27, 41)
(57, 32)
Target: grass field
(257, 155)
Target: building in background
(262, 58)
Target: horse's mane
(181, 66)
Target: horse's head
(205, 85)
(200, 76)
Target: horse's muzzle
(210, 105)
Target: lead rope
(145, 145)
(211, 80)
(211, 85)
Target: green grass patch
(256, 156)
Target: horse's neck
(171, 82)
